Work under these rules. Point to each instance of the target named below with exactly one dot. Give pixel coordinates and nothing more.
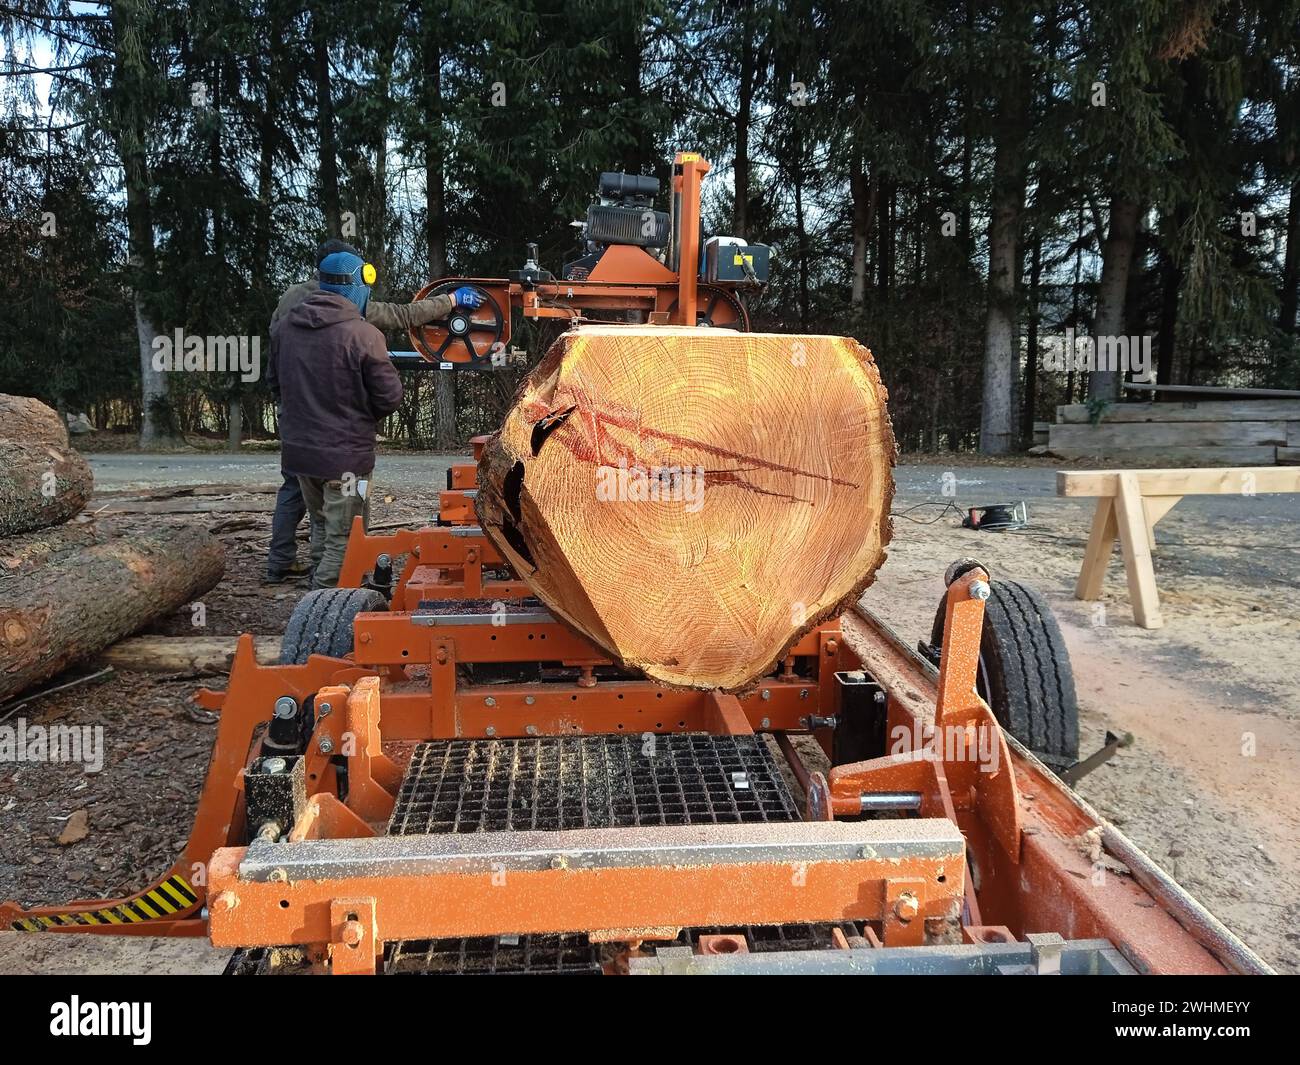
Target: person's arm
(382, 384)
(400, 317)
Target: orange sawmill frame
(998, 843)
(627, 278)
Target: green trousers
(332, 506)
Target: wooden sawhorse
(1130, 502)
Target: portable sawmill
(445, 774)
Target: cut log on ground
(31, 421)
(40, 485)
(693, 500)
(63, 599)
(184, 654)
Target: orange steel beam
(901, 873)
(689, 169)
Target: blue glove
(466, 297)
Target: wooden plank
(1293, 434)
(1131, 519)
(1205, 390)
(252, 505)
(1096, 555)
(180, 654)
(1106, 436)
(1156, 482)
(1288, 456)
(1244, 410)
(1150, 457)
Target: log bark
(31, 421)
(692, 500)
(41, 484)
(67, 593)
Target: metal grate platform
(556, 955)
(565, 782)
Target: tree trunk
(864, 191)
(435, 205)
(234, 422)
(802, 244)
(129, 128)
(70, 592)
(1112, 290)
(997, 424)
(1030, 397)
(744, 115)
(40, 485)
(329, 163)
(1286, 318)
(692, 532)
(1171, 282)
(444, 400)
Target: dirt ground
(1207, 786)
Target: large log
(67, 593)
(24, 418)
(41, 484)
(693, 500)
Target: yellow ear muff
(368, 274)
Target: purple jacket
(329, 370)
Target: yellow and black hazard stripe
(172, 896)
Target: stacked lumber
(1243, 432)
(693, 500)
(68, 587)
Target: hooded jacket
(329, 371)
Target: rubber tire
(1025, 673)
(321, 623)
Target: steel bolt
(326, 745)
(765, 723)
(491, 730)
(529, 700)
(906, 907)
(285, 706)
(980, 590)
(530, 730)
(803, 693)
(489, 701)
(353, 933)
(274, 765)
(323, 709)
(278, 876)
(767, 694)
(225, 902)
(559, 862)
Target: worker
(330, 369)
(290, 507)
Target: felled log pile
(68, 587)
(693, 500)
(42, 480)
